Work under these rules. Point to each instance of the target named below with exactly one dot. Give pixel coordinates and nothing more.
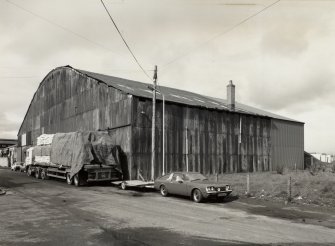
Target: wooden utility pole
(153, 145)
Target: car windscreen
(194, 176)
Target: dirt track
(36, 212)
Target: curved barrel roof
(141, 89)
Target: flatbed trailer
(89, 173)
(138, 183)
(134, 183)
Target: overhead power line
(221, 33)
(125, 42)
(59, 26)
(18, 77)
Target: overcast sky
(281, 60)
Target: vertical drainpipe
(186, 139)
(240, 143)
(186, 150)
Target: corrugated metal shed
(178, 96)
(202, 133)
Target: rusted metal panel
(213, 140)
(287, 140)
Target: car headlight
(210, 188)
(227, 187)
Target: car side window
(177, 177)
(170, 177)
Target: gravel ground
(50, 212)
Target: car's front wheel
(163, 190)
(197, 196)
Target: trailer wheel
(80, 178)
(76, 180)
(37, 173)
(44, 174)
(29, 171)
(69, 181)
(123, 186)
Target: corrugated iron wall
(213, 140)
(68, 101)
(217, 141)
(287, 144)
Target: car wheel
(164, 191)
(197, 196)
(69, 181)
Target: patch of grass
(317, 188)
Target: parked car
(18, 166)
(192, 184)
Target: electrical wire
(220, 34)
(125, 42)
(18, 77)
(59, 26)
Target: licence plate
(222, 194)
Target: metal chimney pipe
(231, 95)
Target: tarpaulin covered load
(42, 159)
(44, 150)
(75, 149)
(45, 139)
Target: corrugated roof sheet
(141, 89)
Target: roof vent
(231, 95)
